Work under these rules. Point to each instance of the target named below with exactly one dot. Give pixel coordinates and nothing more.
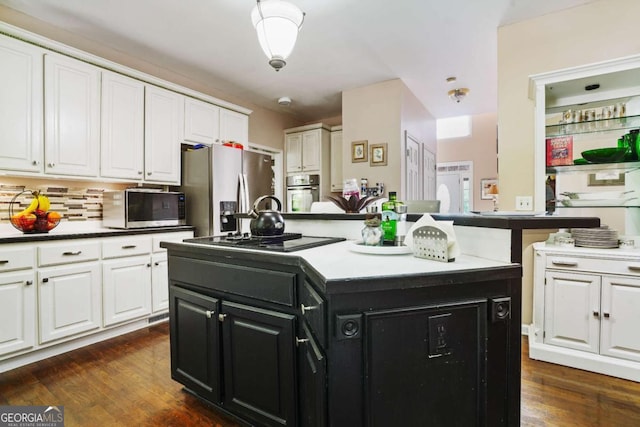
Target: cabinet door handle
(4, 261)
(149, 173)
(28, 282)
(301, 341)
(209, 313)
(221, 317)
(305, 308)
(148, 264)
(156, 263)
(596, 314)
(606, 315)
(45, 280)
(71, 253)
(128, 246)
(139, 172)
(634, 267)
(565, 263)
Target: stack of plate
(601, 237)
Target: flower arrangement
(354, 204)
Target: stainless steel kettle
(266, 222)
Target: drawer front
(266, 285)
(170, 237)
(68, 252)
(597, 265)
(312, 308)
(17, 258)
(126, 246)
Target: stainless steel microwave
(139, 208)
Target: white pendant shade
(277, 23)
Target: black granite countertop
(14, 236)
(475, 220)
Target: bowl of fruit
(36, 217)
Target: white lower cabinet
(586, 309)
(17, 311)
(126, 289)
(69, 300)
(63, 294)
(159, 283)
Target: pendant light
(277, 23)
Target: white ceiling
(343, 44)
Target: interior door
(413, 172)
(449, 192)
(429, 173)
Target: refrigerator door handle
(244, 193)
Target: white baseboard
(525, 329)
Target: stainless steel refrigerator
(220, 181)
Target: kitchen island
(326, 336)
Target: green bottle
(389, 218)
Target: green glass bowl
(605, 155)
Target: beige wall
(479, 148)
(595, 32)
(265, 126)
(380, 113)
(372, 113)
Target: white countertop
(337, 262)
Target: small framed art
(378, 154)
(359, 151)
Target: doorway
(454, 186)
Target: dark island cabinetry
(273, 342)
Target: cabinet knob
(51, 164)
(221, 317)
(156, 263)
(606, 315)
(35, 163)
(596, 314)
(45, 280)
(209, 313)
(148, 173)
(28, 282)
(139, 172)
(301, 341)
(305, 308)
(148, 264)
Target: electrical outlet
(524, 203)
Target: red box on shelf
(560, 151)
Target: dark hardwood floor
(126, 382)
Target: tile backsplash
(72, 203)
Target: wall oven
(302, 191)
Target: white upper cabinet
(20, 106)
(311, 150)
(201, 122)
(234, 126)
(162, 135)
(122, 127)
(293, 149)
(72, 116)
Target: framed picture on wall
(488, 188)
(359, 151)
(378, 154)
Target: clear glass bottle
(372, 232)
(401, 224)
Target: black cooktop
(287, 242)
